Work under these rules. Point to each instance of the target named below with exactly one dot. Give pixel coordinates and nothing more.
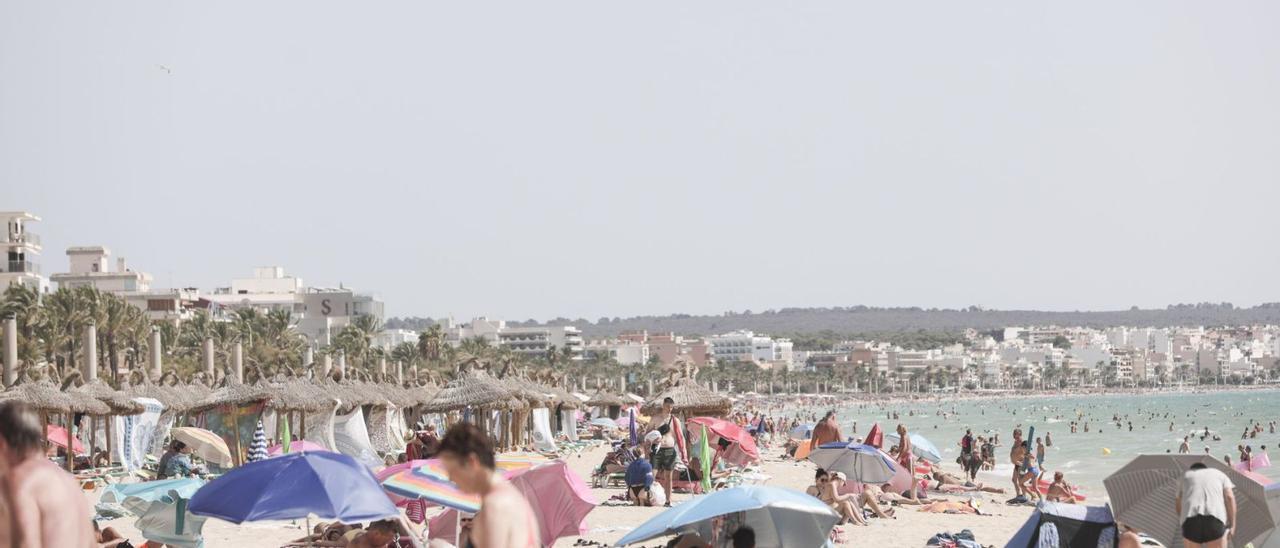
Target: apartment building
(21, 249)
(746, 346)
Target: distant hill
(866, 319)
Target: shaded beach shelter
(1066, 525)
(691, 399)
(920, 446)
(741, 448)
(559, 498)
(862, 463)
(608, 401)
(774, 513)
(1143, 493)
(801, 432)
(295, 486)
(205, 444)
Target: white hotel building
(21, 247)
(531, 341)
(321, 312)
(746, 346)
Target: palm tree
(23, 304)
(429, 341)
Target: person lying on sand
(951, 507)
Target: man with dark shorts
(1206, 506)
(665, 456)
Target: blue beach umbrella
(801, 432)
(773, 512)
(862, 463)
(920, 446)
(294, 486)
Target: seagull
(164, 68)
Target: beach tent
(741, 448)
(773, 512)
(1071, 525)
(1143, 492)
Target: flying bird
(165, 69)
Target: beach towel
(352, 439)
(320, 426)
(704, 457)
(136, 436)
(542, 438)
(569, 423)
(286, 436)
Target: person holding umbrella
(1206, 506)
(505, 518)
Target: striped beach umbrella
(258, 448)
(507, 462)
(430, 483)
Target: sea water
(1085, 458)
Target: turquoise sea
(1081, 456)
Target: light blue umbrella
(161, 507)
(773, 512)
(862, 463)
(921, 446)
(137, 497)
(801, 432)
(604, 423)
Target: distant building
(746, 346)
(91, 267)
(21, 248)
(390, 338)
(670, 348)
(623, 352)
(321, 312)
(530, 341)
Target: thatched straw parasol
(117, 402)
(41, 396)
(605, 398)
(174, 401)
(472, 388)
(233, 393)
(691, 399)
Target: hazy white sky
(537, 159)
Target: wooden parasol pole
(71, 454)
(235, 425)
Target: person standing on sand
(1206, 507)
(826, 431)
(664, 459)
(44, 505)
(1017, 456)
(505, 518)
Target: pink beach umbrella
(559, 498)
(294, 447)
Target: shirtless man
(1017, 455)
(45, 505)
(664, 459)
(826, 431)
(1059, 491)
(505, 518)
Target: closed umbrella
(862, 463)
(258, 447)
(631, 427)
(1144, 490)
(773, 513)
(204, 444)
(920, 446)
(875, 437)
(294, 486)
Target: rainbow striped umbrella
(429, 482)
(508, 462)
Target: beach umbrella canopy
(204, 444)
(519, 460)
(137, 497)
(604, 423)
(426, 480)
(691, 399)
(295, 446)
(862, 463)
(293, 486)
(801, 432)
(774, 513)
(57, 435)
(920, 446)
(742, 449)
(559, 498)
(1144, 490)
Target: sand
(607, 524)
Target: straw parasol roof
(299, 394)
(691, 399)
(41, 396)
(117, 402)
(233, 393)
(605, 398)
(472, 388)
(172, 399)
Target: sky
(587, 159)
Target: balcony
(23, 266)
(25, 238)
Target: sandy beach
(607, 524)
